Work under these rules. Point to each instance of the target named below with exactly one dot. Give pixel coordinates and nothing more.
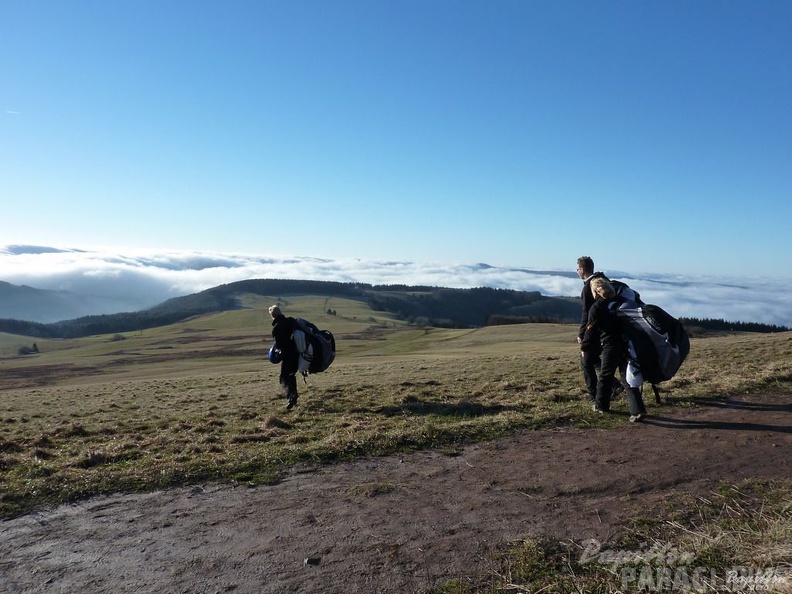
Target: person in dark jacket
(589, 359)
(282, 330)
(603, 332)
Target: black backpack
(317, 347)
(659, 340)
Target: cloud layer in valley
(137, 279)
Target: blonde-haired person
(604, 324)
(602, 332)
(282, 330)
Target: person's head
(601, 288)
(275, 311)
(585, 266)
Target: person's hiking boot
(637, 418)
(597, 409)
(292, 401)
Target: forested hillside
(421, 305)
(417, 304)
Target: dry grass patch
(730, 365)
(737, 540)
(65, 442)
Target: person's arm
(282, 334)
(592, 328)
(585, 299)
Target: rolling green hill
(421, 305)
(418, 305)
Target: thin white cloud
(142, 278)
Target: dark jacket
(282, 330)
(603, 326)
(588, 300)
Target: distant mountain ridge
(420, 304)
(21, 302)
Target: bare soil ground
(399, 524)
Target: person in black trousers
(603, 328)
(282, 330)
(589, 359)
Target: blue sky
(654, 136)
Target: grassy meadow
(198, 401)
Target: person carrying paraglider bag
(604, 327)
(284, 351)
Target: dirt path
(398, 524)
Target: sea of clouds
(137, 279)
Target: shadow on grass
(740, 404)
(673, 423)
